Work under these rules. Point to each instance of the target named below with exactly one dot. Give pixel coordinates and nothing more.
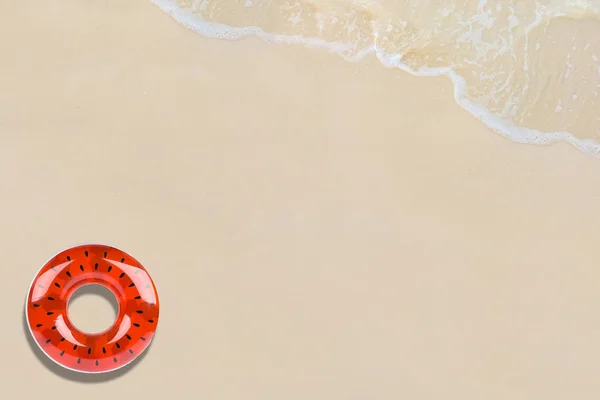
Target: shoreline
(506, 129)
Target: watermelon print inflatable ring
(48, 299)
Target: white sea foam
(503, 122)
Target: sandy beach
(316, 229)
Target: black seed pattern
(75, 347)
(62, 339)
(36, 305)
(68, 274)
(115, 359)
(38, 326)
(96, 363)
(131, 284)
(53, 328)
(127, 336)
(109, 268)
(122, 274)
(104, 350)
(122, 260)
(86, 253)
(48, 341)
(89, 350)
(118, 345)
(56, 284)
(79, 361)
(139, 311)
(136, 325)
(51, 298)
(62, 353)
(143, 338)
(130, 351)
(96, 266)
(137, 297)
(68, 258)
(50, 313)
(105, 253)
(81, 267)
(151, 321)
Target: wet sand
(310, 232)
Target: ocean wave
(530, 70)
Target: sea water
(529, 69)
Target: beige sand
(311, 233)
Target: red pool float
(71, 269)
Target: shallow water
(529, 69)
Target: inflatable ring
(48, 299)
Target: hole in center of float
(93, 309)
